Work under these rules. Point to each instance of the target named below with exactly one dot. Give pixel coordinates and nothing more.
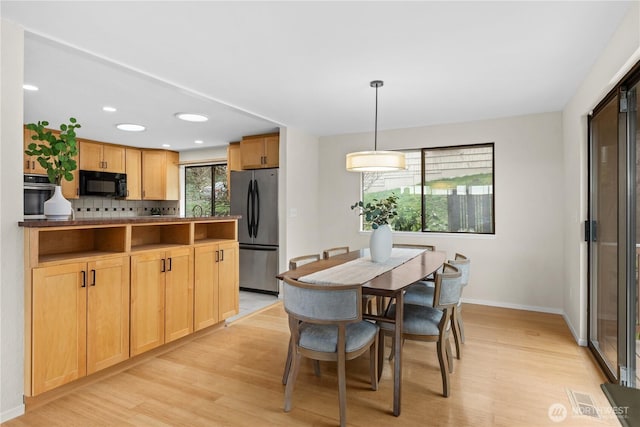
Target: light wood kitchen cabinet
(30, 164)
(216, 281)
(80, 320)
(75, 325)
(100, 157)
(233, 157)
(160, 175)
(260, 151)
(161, 297)
(133, 166)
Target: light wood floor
(515, 365)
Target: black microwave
(105, 184)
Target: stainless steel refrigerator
(254, 196)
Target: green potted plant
(379, 213)
(55, 153)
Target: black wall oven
(37, 190)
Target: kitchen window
(206, 190)
(444, 190)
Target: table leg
(397, 367)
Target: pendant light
(375, 161)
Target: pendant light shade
(375, 161)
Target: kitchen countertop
(37, 223)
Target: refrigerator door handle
(249, 217)
(257, 215)
(253, 208)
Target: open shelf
(66, 244)
(211, 232)
(158, 236)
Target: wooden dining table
(390, 284)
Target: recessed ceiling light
(109, 109)
(166, 145)
(198, 141)
(32, 88)
(130, 127)
(192, 117)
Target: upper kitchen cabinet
(160, 175)
(30, 164)
(133, 165)
(99, 157)
(260, 151)
(233, 157)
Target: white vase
(57, 208)
(380, 243)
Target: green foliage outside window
(206, 190)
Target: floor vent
(582, 404)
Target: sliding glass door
(613, 236)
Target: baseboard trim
(514, 306)
(581, 342)
(12, 413)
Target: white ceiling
(253, 66)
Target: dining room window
(206, 190)
(443, 190)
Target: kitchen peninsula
(99, 291)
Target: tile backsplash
(104, 207)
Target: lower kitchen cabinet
(161, 297)
(216, 283)
(80, 320)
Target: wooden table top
(390, 281)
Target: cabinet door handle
(221, 254)
(84, 279)
(28, 163)
(93, 278)
(33, 164)
(169, 264)
(164, 266)
(217, 256)
(106, 165)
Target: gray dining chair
(294, 263)
(326, 324)
(423, 323)
(422, 292)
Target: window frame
(422, 224)
(213, 199)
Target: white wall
(299, 209)
(11, 241)
(598, 82)
(521, 265)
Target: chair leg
(449, 358)
(342, 389)
(380, 353)
(373, 364)
(460, 323)
(287, 364)
(293, 374)
(456, 334)
(442, 357)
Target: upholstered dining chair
(294, 263)
(328, 253)
(326, 324)
(423, 323)
(421, 293)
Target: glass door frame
(626, 274)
